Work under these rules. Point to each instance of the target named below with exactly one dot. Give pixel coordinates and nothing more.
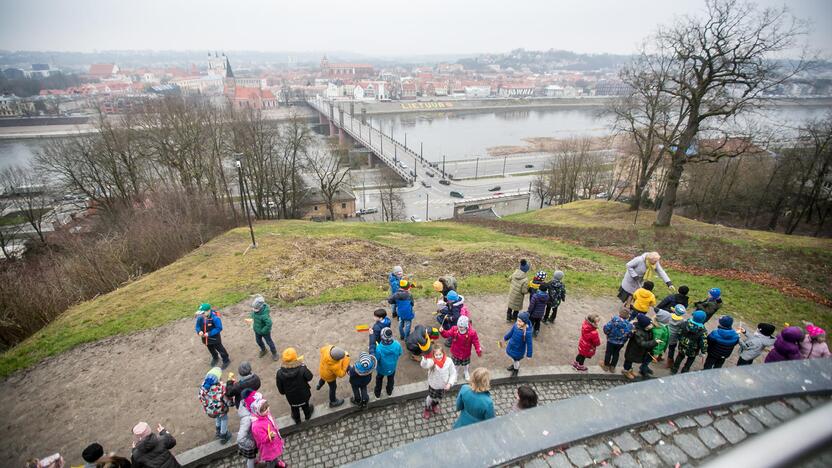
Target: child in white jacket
(441, 377)
(753, 346)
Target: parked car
(456, 194)
(445, 182)
(429, 173)
(365, 211)
(425, 184)
(529, 166)
(495, 189)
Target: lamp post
(238, 157)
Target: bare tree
(719, 65)
(813, 160)
(295, 140)
(330, 176)
(31, 196)
(392, 203)
(258, 141)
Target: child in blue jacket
(403, 301)
(393, 279)
(388, 352)
(209, 328)
(618, 331)
(519, 342)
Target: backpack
(690, 339)
(213, 400)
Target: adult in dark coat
(248, 379)
(293, 381)
(638, 346)
(152, 450)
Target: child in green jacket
(262, 326)
(661, 334)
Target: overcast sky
(375, 27)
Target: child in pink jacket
(814, 344)
(267, 435)
(462, 337)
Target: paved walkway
(685, 441)
(377, 430)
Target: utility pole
(405, 140)
(529, 200)
(477, 169)
(443, 167)
(238, 156)
(504, 165)
(427, 206)
(421, 154)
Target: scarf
(440, 363)
(651, 269)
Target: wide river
(464, 135)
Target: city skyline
(373, 29)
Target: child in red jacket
(588, 342)
(463, 337)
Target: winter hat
(433, 333)
(663, 316)
(337, 353)
(541, 275)
(204, 307)
(679, 309)
(715, 292)
(397, 270)
(766, 329)
(524, 316)
(404, 284)
(792, 334)
(814, 330)
(726, 321)
(290, 356)
(524, 266)
(250, 398)
(93, 452)
(386, 336)
(244, 368)
(462, 323)
(255, 405)
(699, 317)
(558, 275)
(643, 320)
(212, 377)
(438, 286)
(365, 363)
(258, 302)
(683, 290)
(452, 296)
(140, 431)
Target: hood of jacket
(149, 443)
(292, 372)
(519, 275)
(642, 294)
(383, 323)
(792, 334)
(587, 328)
(725, 336)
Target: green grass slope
(303, 263)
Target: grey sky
(379, 27)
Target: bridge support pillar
(341, 136)
(331, 128)
(321, 118)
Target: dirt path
(97, 392)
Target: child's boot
(275, 357)
(435, 408)
(262, 352)
(426, 413)
(629, 374)
(336, 403)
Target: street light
(238, 157)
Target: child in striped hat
(361, 374)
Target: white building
(477, 91)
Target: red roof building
(103, 70)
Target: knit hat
(140, 431)
(814, 330)
(541, 275)
(558, 275)
(679, 309)
(726, 321)
(397, 270)
(452, 296)
(204, 307)
(258, 302)
(365, 364)
(714, 292)
(212, 377)
(699, 317)
(337, 353)
(663, 316)
(433, 333)
(386, 336)
(524, 266)
(93, 452)
(524, 316)
(250, 398)
(438, 286)
(766, 329)
(244, 368)
(404, 284)
(255, 405)
(462, 323)
(643, 320)
(290, 356)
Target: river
(465, 135)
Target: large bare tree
(720, 64)
(31, 196)
(330, 176)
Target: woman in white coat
(640, 269)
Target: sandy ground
(97, 392)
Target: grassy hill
(303, 263)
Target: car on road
(456, 194)
(425, 184)
(445, 182)
(429, 173)
(495, 189)
(366, 211)
(498, 193)
(529, 166)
